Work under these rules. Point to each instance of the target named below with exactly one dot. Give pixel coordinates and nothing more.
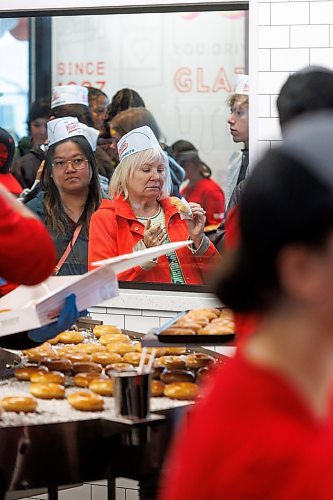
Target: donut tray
(156, 338)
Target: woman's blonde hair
(123, 174)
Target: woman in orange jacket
(141, 215)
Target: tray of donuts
(208, 326)
(78, 366)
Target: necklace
(151, 216)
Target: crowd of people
(65, 177)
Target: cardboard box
(29, 307)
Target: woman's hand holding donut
(196, 225)
(153, 235)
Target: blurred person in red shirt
(264, 426)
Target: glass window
(183, 65)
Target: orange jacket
(114, 230)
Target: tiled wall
(126, 489)
(291, 35)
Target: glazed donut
(227, 313)
(178, 331)
(170, 376)
(83, 379)
(37, 353)
(196, 318)
(47, 391)
(89, 348)
(48, 378)
(87, 367)
(100, 329)
(78, 357)
(186, 323)
(85, 401)
(118, 367)
(216, 329)
(71, 337)
(134, 358)
(170, 351)
(156, 388)
(106, 358)
(209, 313)
(17, 404)
(59, 365)
(108, 338)
(181, 207)
(172, 362)
(67, 349)
(54, 341)
(100, 386)
(181, 390)
(25, 372)
(120, 347)
(198, 360)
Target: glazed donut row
(88, 363)
(209, 321)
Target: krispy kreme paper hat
(138, 139)
(242, 85)
(65, 128)
(69, 94)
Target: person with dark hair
(201, 188)
(28, 151)
(7, 149)
(264, 428)
(98, 103)
(71, 192)
(73, 100)
(122, 100)
(132, 118)
(67, 100)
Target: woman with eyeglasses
(71, 192)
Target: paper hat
(69, 94)
(242, 85)
(138, 139)
(65, 128)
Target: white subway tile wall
(292, 35)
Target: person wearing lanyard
(72, 192)
(140, 215)
(264, 427)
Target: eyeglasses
(77, 163)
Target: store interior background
(283, 37)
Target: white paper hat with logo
(69, 94)
(65, 128)
(242, 85)
(138, 139)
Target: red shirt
(210, 196)
(27, 254)
(245, 324)
(114, 230)
(251, 437)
